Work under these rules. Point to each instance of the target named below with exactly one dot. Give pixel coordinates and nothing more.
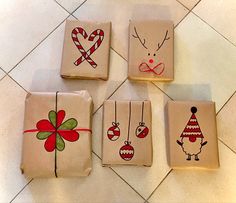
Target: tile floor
(31, 37)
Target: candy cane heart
(86, 54)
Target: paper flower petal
(44, 125)
(70, 135)
(50, 143)
(52, 117)
(43, 135)
(60, 117)
(68, 124)
(60, 144)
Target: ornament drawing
(142, 130)
(113, 133)
(127, 151)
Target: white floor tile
(70, 5)
(201, 185)
(142, 179)
(101, 186)
(2, 74)
(189, 3)
(120, 13)
(40, 71)
(24, 23)
(226, 121)
(11, 125)
(220, 14)
(204, 64)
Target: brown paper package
(75, 158)
(127, 133)
(92, 39)
(192, 135)
(151, 50)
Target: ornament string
(55, 157)
(142, 112)
(129, 118)
(115, 113)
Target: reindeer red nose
(151, 61)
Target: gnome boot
(189, 157)
(196, 158)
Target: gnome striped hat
(192, 129)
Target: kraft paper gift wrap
(127, 133)
(192, 136)
(151, 50)
(86, 50)
(62, 149)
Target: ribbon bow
(144, 67)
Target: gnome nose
(151, 60)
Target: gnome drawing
(192, 139)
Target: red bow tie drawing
(157, 70)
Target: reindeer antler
(165, 39)
(137, 36)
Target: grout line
(226, 145)
(5, 74)
(72, 13)
(96, 155)
(3, 77)
(117, 88)
(38, 44)
(189, 11)
(120, 177)
(160, 184)
(21, 190)
(182, 19)
(214, 29)
(127, 183)
(195, 5)
(119, 54)
(162, 90)
(183, 4)
(225, 103)
(62, 6)
(109, 96)
(17, 83)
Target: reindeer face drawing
(151, 48)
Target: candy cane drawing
(86, 54)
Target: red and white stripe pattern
(192, 128)
(86, 54)
(113, 133)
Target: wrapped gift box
(86, 50)
(151, 50)
(127, 133)
(57, 135)
(192, 137)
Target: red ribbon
(77, 129)
(144, 67)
